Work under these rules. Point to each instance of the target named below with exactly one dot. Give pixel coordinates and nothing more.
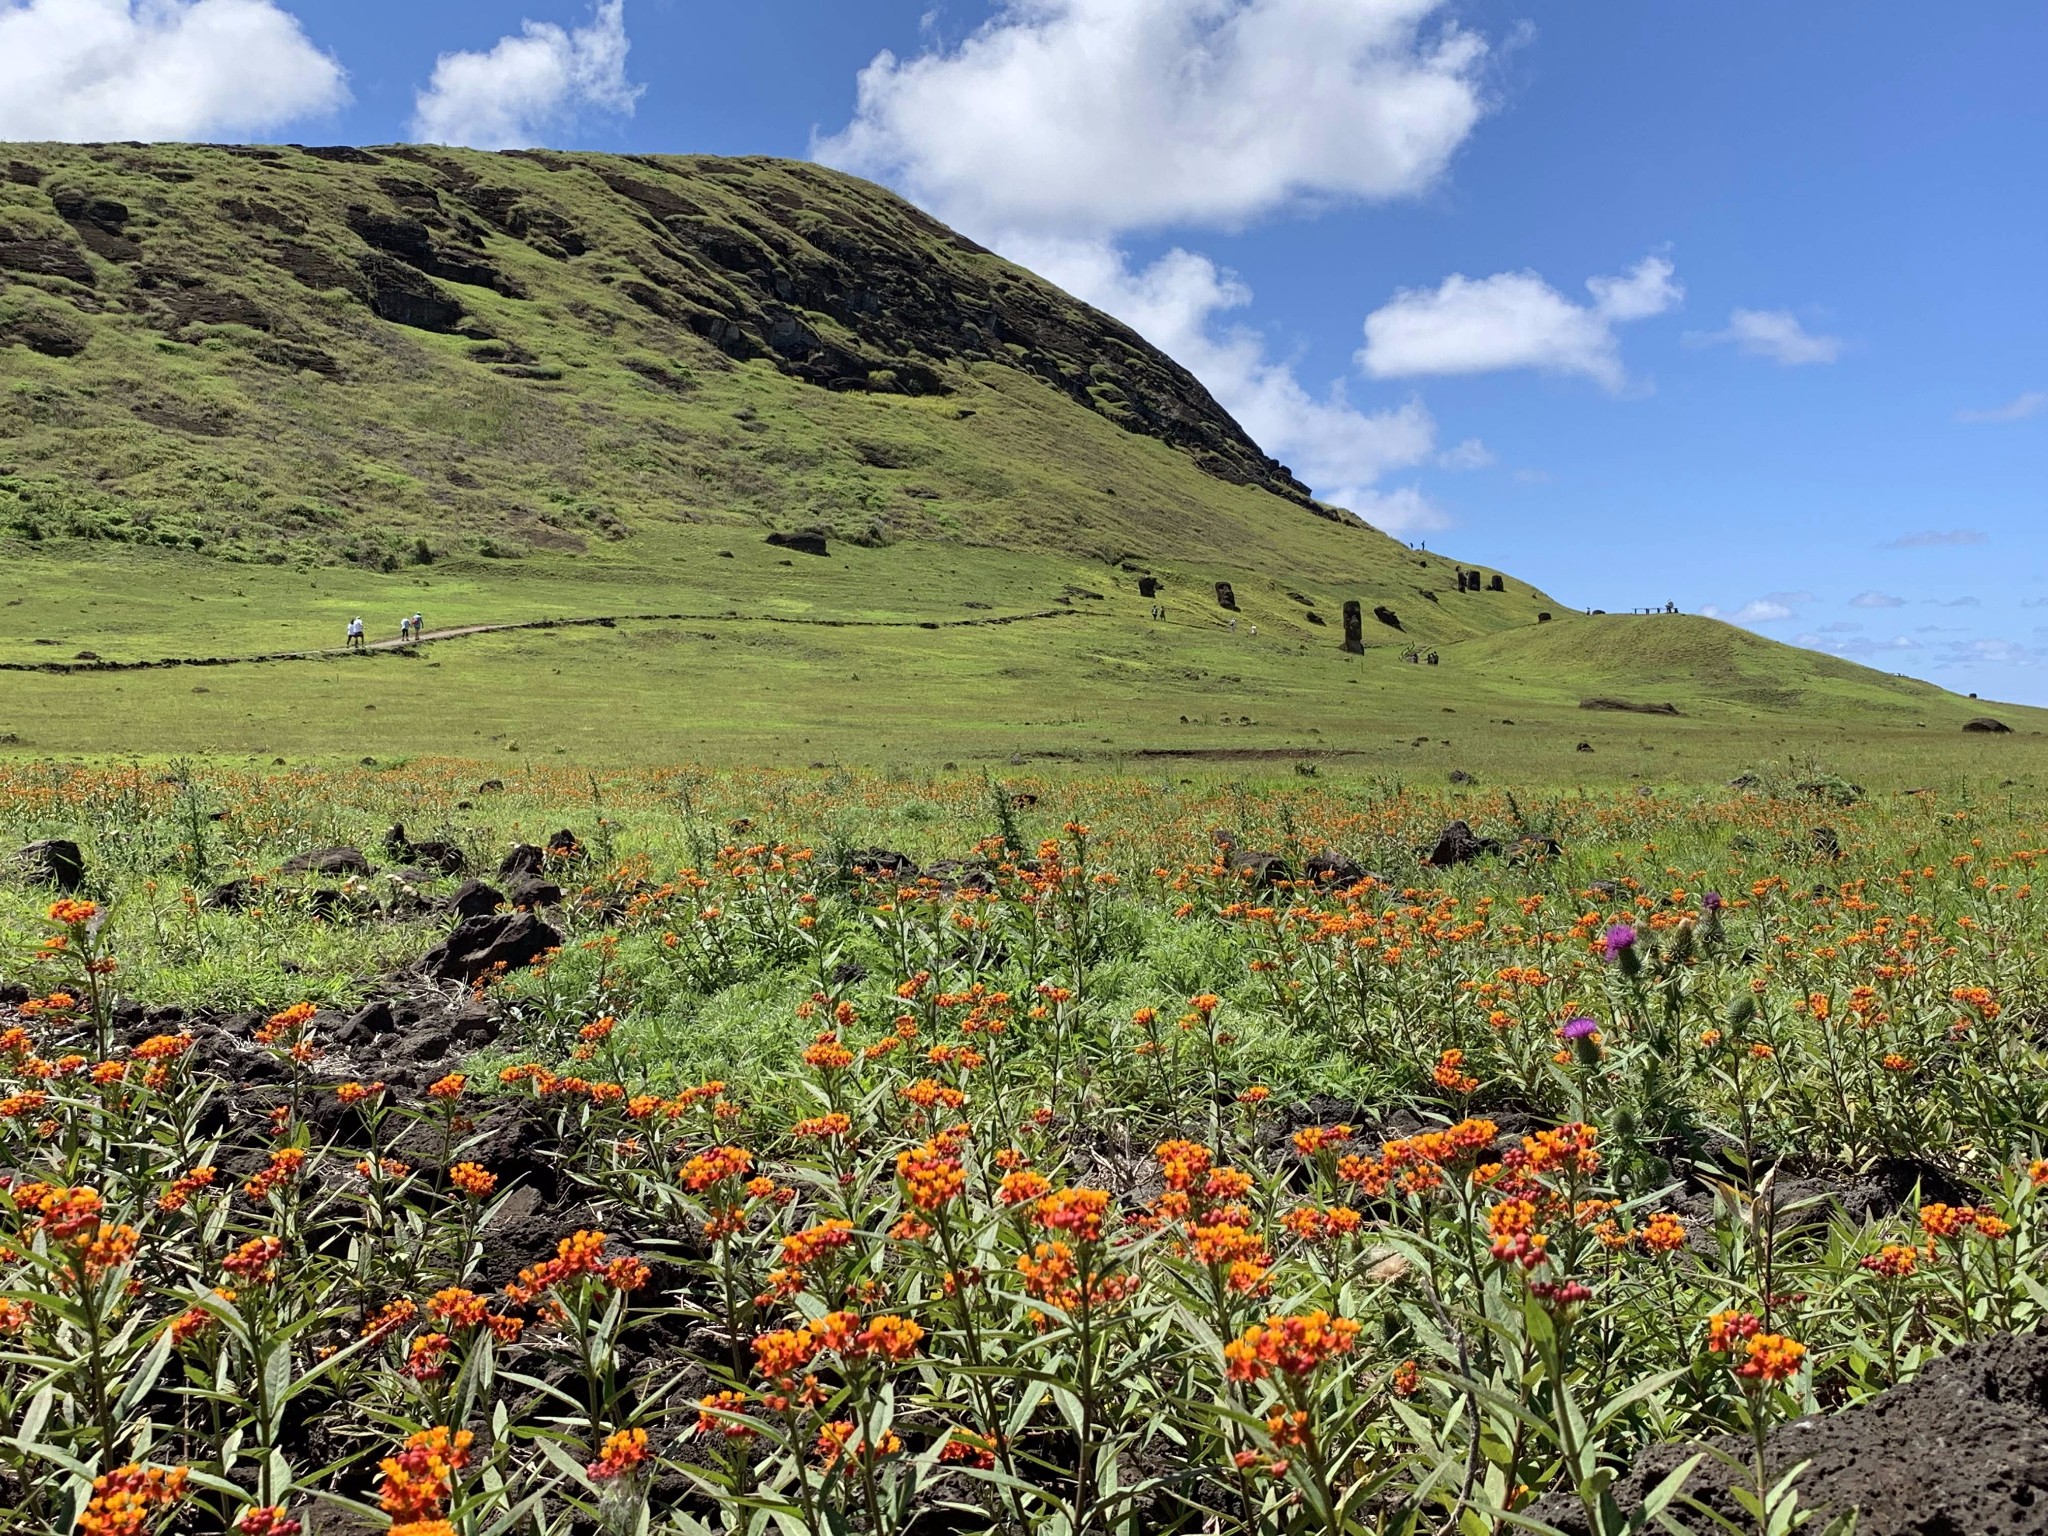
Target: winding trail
(599, 621)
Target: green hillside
(250, 393)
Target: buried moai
(1148, 586)
(1225, 597)
(1354, 627)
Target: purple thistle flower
(1619, 938)
(1712, 901)
(1579, 1029)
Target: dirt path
(600, 621)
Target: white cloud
(1876, 600)
(2019, 408)
(1058, 126)
(1775, 334)
(1177, 303)
(1085, 117)
(1992, 651)
(527, 85)
(158, 69)
(1470, 454)
(1771, 608)
(1513, 320)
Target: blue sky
(1807, 388)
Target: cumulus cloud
(1771, 608)
(2018, 408)
(1083, 117)
(158, 69)
(1179, 303)
(1470, 454)
(1936, 538)
(1876, 600)
(1514, 320)
(528, 85)
(1858, 648)
(1992, 651)
(1059, 126)
(1775, 334)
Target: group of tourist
(409, 629)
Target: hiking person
(419, 625)
(355, 634)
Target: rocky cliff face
(283, 253)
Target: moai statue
(1148, 586)
(1354, 627)
(1495, 585)
(1225, 598)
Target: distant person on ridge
(355, 634)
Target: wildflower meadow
(1053, 1155)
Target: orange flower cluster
(1419, 1163)
(1077, 1212)
(837, 1442)
(932, 1176)
(781, 1354)
(419, 1480)
(1512, 1227)
(128, 1500)
(832, 1127)
(711, 1413)
(1662, 1233)
(716, 1167)
(1960, 1221)
(578, 1254)
(622, 1451)
(181, 1189)
(1894, 1261)
(472, 1180)
(1294, 1345)
(1449, 1074)
(285, 1163)
(1236, 1252)
(255, 1261)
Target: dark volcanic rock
(1261, 867)
(327, 861)
(1989, 726)
(231, 895)
(1329, 867)
(1961, 1450)
(52, 861)
(479, 944)
(528, 891)
(1458, 844)
(524, 859)
(802, 543)
(473, 898)
(882, 864)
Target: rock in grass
(1988, 726)
(340, 860)
(52, 861)
(480, 944)
(473, 898)
(1458, 844)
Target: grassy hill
(250, 393)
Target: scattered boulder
(1460, 776)
(1826, 841)
(526, 892)
(801, 543)
(52, 861)
(524, 859)
(1329, 867)
(563, 848)
(1584, 746)
(1623, 706)
(473, 898)
(478, 945)
(1963, 1447)
(434, 853)
(881, 864)
(1261, 867)
(340, 860)
(962, 875)
(1987, 725)
(231, 896)
(1458, 844)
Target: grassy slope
(616, 495)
